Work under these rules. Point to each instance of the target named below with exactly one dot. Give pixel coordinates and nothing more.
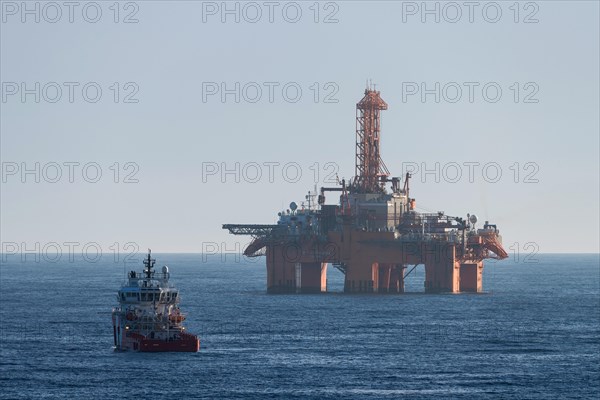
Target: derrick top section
(371, 101)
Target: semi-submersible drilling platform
(374, 236)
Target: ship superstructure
(374, 235)
(148, 317)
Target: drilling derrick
(374, 236)
(369, 167)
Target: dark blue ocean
(534, 334)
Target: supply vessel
(148, 318)
(373, 234)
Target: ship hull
(128, 340)
(189, 344)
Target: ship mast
(149, 264)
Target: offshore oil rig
(374, 235)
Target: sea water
(534, 333)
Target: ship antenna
(149, 263)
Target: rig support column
(385, 271)
(442, 270)
(281, 272)
(361, 277)
(471, 277)
(397, 278)
(313, 277)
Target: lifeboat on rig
(148, 317)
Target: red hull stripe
(149, 345)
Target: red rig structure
(374, 236)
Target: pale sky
(541, 132)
